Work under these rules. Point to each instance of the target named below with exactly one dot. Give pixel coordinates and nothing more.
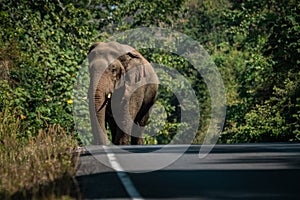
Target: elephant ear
(126, 69)
(134, 54)
(117, 70)
(132, 59)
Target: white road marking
(123, 176)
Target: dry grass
(41, 167)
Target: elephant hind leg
(142, 122)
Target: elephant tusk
(108, 95)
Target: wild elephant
(123, 87)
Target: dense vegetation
(254, 44)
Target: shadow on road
(197, 184)
(257, 171)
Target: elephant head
(123, 87)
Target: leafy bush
(52, 41)
(40, 167)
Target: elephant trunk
(97, 116)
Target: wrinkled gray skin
(118, 95)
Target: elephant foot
(137, 141)
(123, 140)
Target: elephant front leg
(118, 136)
(121, 138)
(120, 130)
(120, 114)
(112, 126)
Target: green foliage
(267, 36)
(52, 40)
(81, 105)
(148, 13)
(254, 44)
(203, 21)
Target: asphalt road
(247, 171)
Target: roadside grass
(36, 167)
